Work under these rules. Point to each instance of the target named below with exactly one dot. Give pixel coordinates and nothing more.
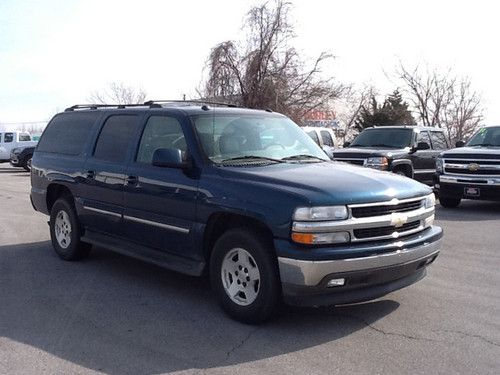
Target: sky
(54, 54)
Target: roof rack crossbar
(196, 101)
(119, 106)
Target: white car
(324, 137)
(10, 140)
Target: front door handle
(132, 180)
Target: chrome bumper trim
(310, 273)
(480, 180)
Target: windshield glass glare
(384, 137)
(486, 137)
(225, 137)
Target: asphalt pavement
(111, 314)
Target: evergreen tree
(394, 111)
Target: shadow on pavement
(470, 210)
(115, 314)
(12, 170)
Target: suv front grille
(480, 165)
(351, 161)
(385, 209)
(385, 231)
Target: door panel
(423, 160)
(104, 175)
(160, 203)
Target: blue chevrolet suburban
(242, 195)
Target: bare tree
(265, 71)
(118, 93)
(443, 100)
(348, 108)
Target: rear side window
(115, 138)
(438, 141)
(8, 137)
(67, 133)
(314, 136)
(327, 138)
(23, 137)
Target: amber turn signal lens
(305, 238)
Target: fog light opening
(335, 282)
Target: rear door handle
(132, 180)
(90, 174)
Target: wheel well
(54, 192)
(406, 168)
(222, 222)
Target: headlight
(430, 201)
(377, 162)
(439, 165)
(321, 238)
(321, 213)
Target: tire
(401, 172)
(27, 165)
(243, 266)
(449, 202)
(65, 231)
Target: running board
(162, 259)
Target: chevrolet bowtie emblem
(398, 220)
(473, 167)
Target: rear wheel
(449, 202)
(65, 231)
(244, 275)
(27, 165)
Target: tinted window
(67, 133)
(24, 137)
(438, 141)
(313, 135)
(327, 138)
(8, 137)
(160, 132)
(384, 137)
(486, 137)
(424, 137)
(115, 138)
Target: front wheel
(65, 231)
(244, 275)
(449, 202)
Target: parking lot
(117, 315)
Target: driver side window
(423, 136)
(160, 132)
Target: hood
(328, 183)
(467, 152)
(366, 152)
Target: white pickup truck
(10, 140)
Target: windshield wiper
(383, 145)
(250, 157)
(301, 156)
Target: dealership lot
(113, 314)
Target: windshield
(384, 137)
(488, 137)
(235, 136)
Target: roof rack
(119, 106)
(196, 101)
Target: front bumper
(454, 187)
(304, 282)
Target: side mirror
(169, 158)
(347, 144)
(460, 144)
(423, 146)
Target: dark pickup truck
(410, 151)
(242, 195)
(471, 172)
(21, 157)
